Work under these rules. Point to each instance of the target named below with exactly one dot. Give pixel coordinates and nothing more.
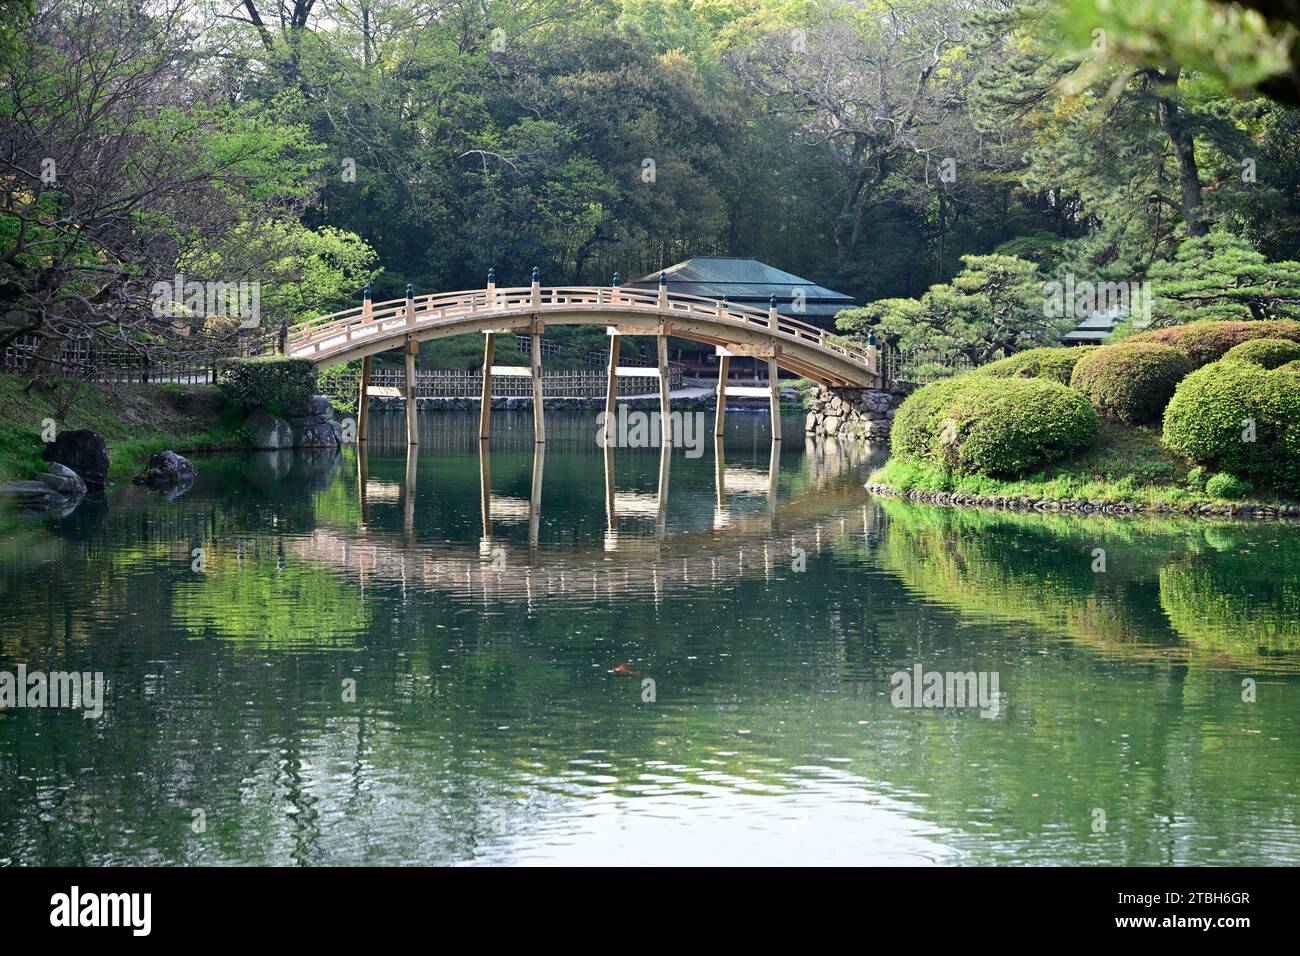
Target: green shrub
(1206, 342)
(1290, 368)
(1196, 478)
(1224, 485)
(342, 384)
(273, 382)
(974, 424)
(1129, 381)
(1239, 418)
(1050, 363)
(1268, 353)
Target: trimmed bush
(1267, 353)
(1206, 342)
(1224, 485)
(1130, 381)
(974, 424)
(273, 382)
(1055, 364)
(1239, 418)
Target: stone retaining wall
(863, 413)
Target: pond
(642, 658)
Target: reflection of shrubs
(1050, 363)
(1233, 601)
(1130, 382)
(1206, 342)
(272, 382)
(1267, 353)
(974, 424)
(1224, 485)
(1241, 419)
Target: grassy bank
(135, 420)
(1128, 464)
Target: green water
(501, 670)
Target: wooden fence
(447, 383)
(79, 359)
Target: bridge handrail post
(537, 288)
(410, 305)
(663, 290)
(490, 299)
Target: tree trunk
(1184, 146)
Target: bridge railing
(379, 318)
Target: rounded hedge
(274, 382)
(1206, 342)
(1130, 381)
(975, 424)
(1055, 364)
(1239, 418)
(1268, 353)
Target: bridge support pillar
(363, 401)
(412, 429)
(485, 409)
(774, 387)
(665, 422)
(611, 384)
(539, 420)
(720, 417)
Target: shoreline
(1084, 506)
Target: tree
(994, 307)
(1219, 276)
(875, 87)
(116, 173)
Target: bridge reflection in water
(636, 551)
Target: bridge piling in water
(665, 419)
(412, 423)
(363, 401)
(485, 408)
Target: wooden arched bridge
(735, 330)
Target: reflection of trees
(1038, 570)
(1240, 596)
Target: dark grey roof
(1095, 327)
(749, 282)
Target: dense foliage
(1205, 342)
(272, 382)
(1268, 353)
(1240, 418)
(1130, 381)
(974, 424)
(1056, 364)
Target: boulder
(269, 432)
(84, 452)
(35, 496)
(316, 435)
(64, 480)
(167, 468)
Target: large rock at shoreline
(64, 480)
(313, 426)
(84, 452)
(167, 468)
(269, 432)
